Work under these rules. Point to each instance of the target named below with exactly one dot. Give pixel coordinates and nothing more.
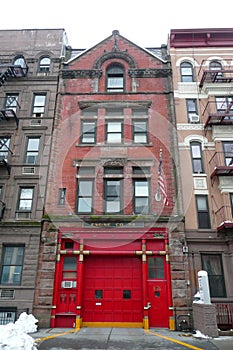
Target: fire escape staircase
(8, 72)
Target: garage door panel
(119, 278)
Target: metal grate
(7, 293)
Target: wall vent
(35, 122)
(7, 293)
(28, 170)
(23, 215)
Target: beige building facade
(202, 68)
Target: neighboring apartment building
(203, 89)
(113, 209)
(29, 66)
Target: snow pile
(13, 336)
(200, 335)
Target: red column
(56, 283)
(78, 322)
(144, 286)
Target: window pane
(201, 203)
(12, 265)
(140, 138)
(85, 188)
(85, 205)
(141, 205)
(155, 267)
(113, 206)
(141, 189)
(212, 263)
(114, 127)
(69, 263)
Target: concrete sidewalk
(221, 343)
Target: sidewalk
(221, 343)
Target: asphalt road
(126, 338)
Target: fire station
(109, 249)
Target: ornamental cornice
(115, 54)
(149, 73)
(81, 73)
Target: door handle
(148, 306)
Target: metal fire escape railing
(221, 164)
(206, 75)
(218, 115)
(224, 218)
(8, 112)
(5, 150)
(10, 71)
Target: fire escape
(219, 113)
(8, 111)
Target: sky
(146, 23)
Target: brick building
(202, 79)
(111, 250)
(29, 65)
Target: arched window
(186, 72)
(20, 61)
(115, 78)
(44, 65)
(216, 66)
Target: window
(156, 267)
(212, 264)
(228, 153)
(216, 66)
(114, 132)
(113, 190)
(196, 155)
(62, 196)
(88, 132)
(140, 134)
(85, 196)
(141, 196)
(224, 104)
(44, 65)
(192, 112)
(115, 78)
(11, 102)
(69, 267)
(4, 148)
(25, 199)
(20, 61)
(38, 108)
(202, 211)
(32, 150)
(141, 170)
(231, 203)
(186, 72)
(12, 264)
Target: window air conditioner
(68, 284)
(194, 118)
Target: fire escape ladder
(3, 161)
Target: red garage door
(112, 289)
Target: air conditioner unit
(28, 170)
(68, 284)
(194, 118)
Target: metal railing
(224, 315)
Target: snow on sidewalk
(13, 336)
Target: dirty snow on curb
(13, 336)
